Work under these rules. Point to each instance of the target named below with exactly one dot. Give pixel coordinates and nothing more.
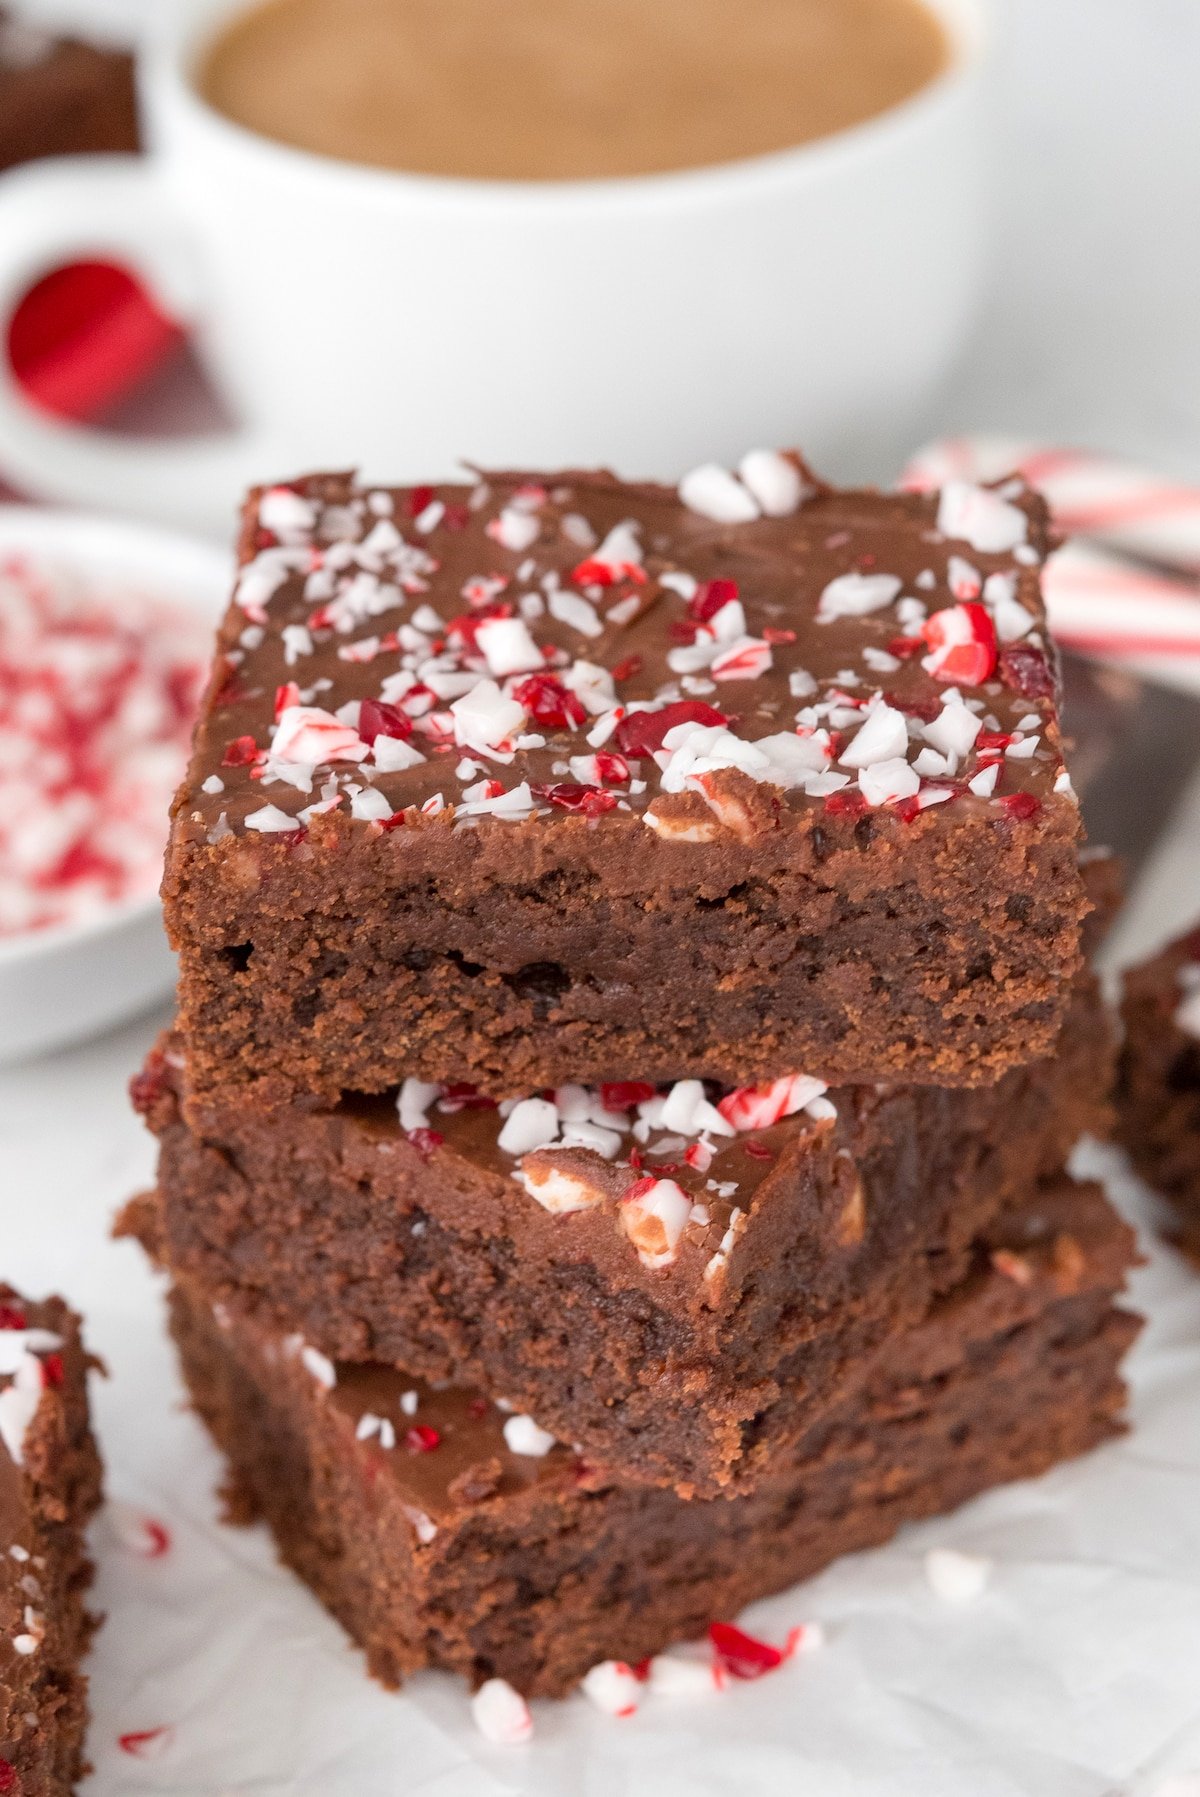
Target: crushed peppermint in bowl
(105, 630)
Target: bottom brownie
(49, 1487)
(1158, 1097)
(444, 1532)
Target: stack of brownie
(632, 1024)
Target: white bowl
(69, 981)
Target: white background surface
(1078, 1674)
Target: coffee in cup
(535, 90)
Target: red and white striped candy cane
(1127, 508)
(1097, 603)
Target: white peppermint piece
(715, 493)
(954, 730)
(533, 1123)
(484, 718)
(592, 686)
(369, 806)
(980, 517)
(932, 766)
(855, 595)
(393, 753)
(955, 1577)
(297, 643)
(983, 784)
(792, 758)
(886, 781)
(686, 1109)
(501, 1714)
(18, 1407)
(507, 647)
(574, 610)
(620, 547)
(515, 528)
(692, 749)
(319, 1365)
(413, 1101)
(673, 1676)
(613, 1687)
(1187, 1014)
(286, 513)
(270, 819)
(882, 736)
(656, 1221)
(16, 1344)
(774, 480)
(523, 1436)
(559, 1192)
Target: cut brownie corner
(444, 1531)
(555, 776)
(1158, 1090)
(50, 1479)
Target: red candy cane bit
(392, 823)
(641, 1671)
(241, 752)
(742, 1655)
(905, 647)
(12, 1318)
(549, 702)
(592, 573)
(772, 633)
(418, 499)
(640, 733)
(286, 695)
(9, 1779)
(758, 1151)
(54, 1374)
(612, 770)
(625, 670)
(1027, 671)
(848, 802)
(146, 1743)
(709, 598)
(623, 1094)
(425, 1141)
(962, 644)
(639, 1188)
(1020, 804)
(995, 741)
(422, 1438)
(230, 692)
(377, 718)
(908, 809)
(590, 800)
(914, 705)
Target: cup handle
(77, 208)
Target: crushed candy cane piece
(501, 1714)
(955, 1577)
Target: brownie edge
(49, 1487)
(1158, 1091)
(439, 1537)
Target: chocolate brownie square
(675, 1278)
(552, 777)
(49, 1487)
(1158, 1095)
(444, 1531)
(60, 96)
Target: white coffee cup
(394, 322)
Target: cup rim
(169, 69)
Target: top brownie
(553, 777)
